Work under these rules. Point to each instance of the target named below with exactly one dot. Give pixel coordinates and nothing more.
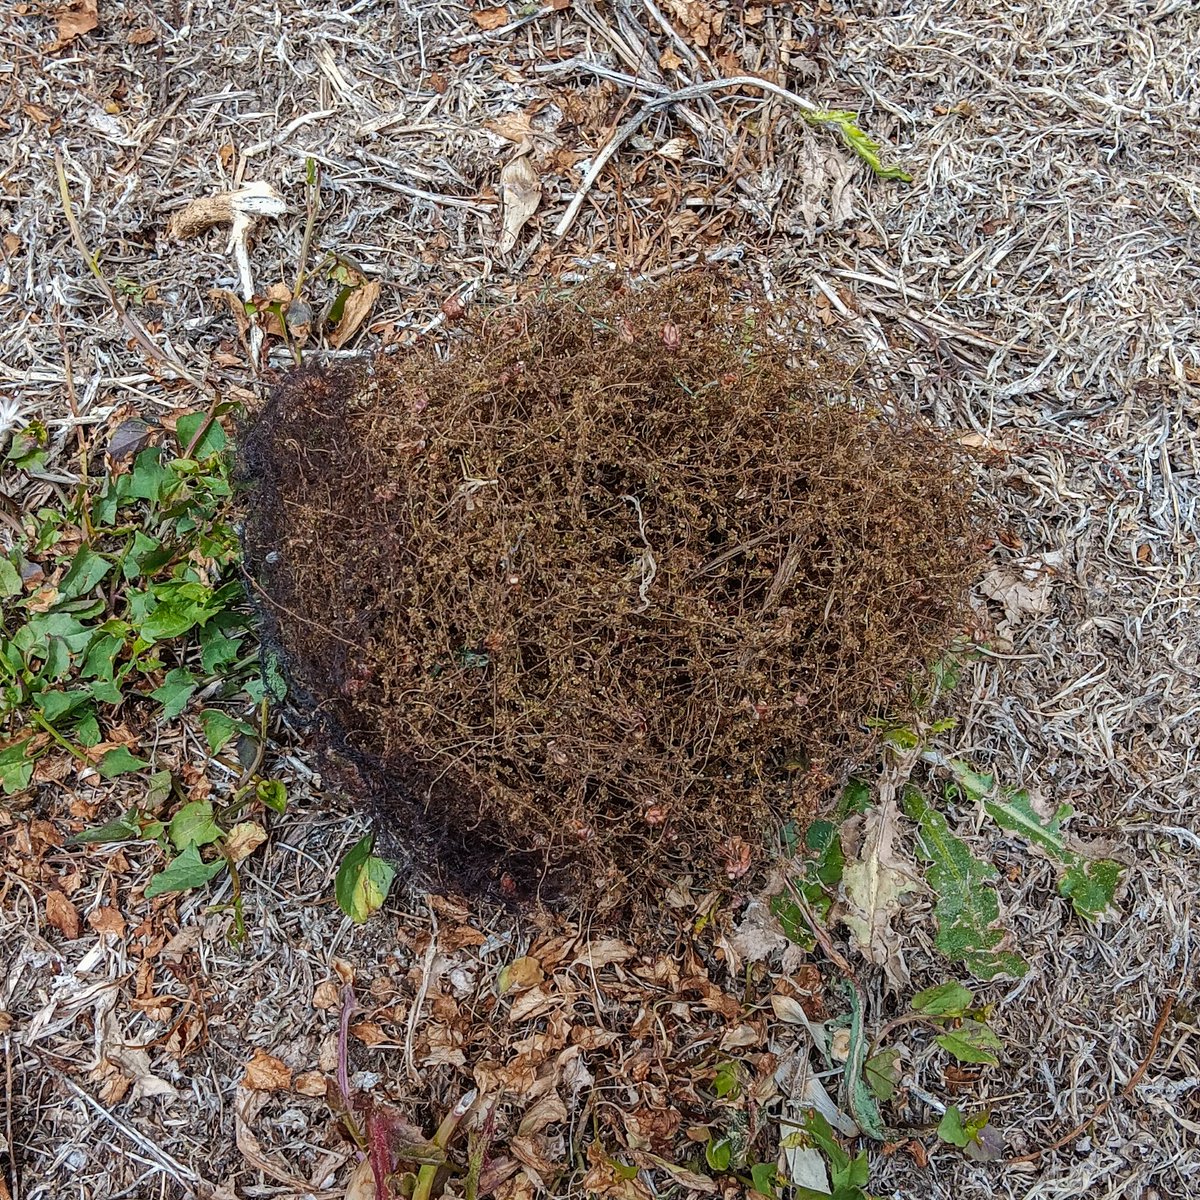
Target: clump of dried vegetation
(607, 586)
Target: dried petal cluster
(607, 589)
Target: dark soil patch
(607, 590)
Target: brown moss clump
(606, 590)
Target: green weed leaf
(362, 881)
(1090, 886)
(273, 794)
(86, 571)
(971, 1042)
(945, 1000)
(183, 873)
(212, 441)
(16, 767)
(882, 1073)
(193, 825)
(861, 143)
(957, 1132)
(118, 762)
(967, 910)
(10, 579)
(718, 1154)
(764, 1177)
(124, 828)
(175, 691)
(219, 727)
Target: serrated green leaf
(971, 1042)
(193, 825)
(118, 761)
(861, 143)
(1090, 885)
(945, 1000)
(183, 873)
(175, 691)
(362, 881)
(967, 909)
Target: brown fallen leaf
(354, 312)
(265, 1073)
(60, 912)
(74, 19)
(520, 195)
(107, 920)
(520, 975)
(310, 1083)
(243, 839)
(369, 1033)
(491, 18)
(361, 1184)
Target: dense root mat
(606, 588)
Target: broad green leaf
(175, 691)
(121, 829)
(219, 727)
(216, 649)
(882, 1073)
(971, 1042)
(958, 1132)
(718, 1154)
(87, 729)
(86, 571)
(967, 910)
(100, 660)
(273, 794)
(16, 767)
(362, 881)
(193, 825)
(1090, 885)
(118, 761)
(181, 874)
(861, 143)
(149, 480)
(727, 1081)
(10, 579)
(764, 1177)
(212, 441)
(855, 798)
(945, 1000)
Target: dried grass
(1036, 290)
(616, 584)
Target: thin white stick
(652, 106)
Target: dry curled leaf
(237, 208)
(520, 975)
(74, 19)
(266, 1073)
(244, 838)
(520, 193)
(491, 18)
(60, 912)
(354, 312)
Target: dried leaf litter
(607, 590)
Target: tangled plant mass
(606, 589)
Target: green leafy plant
(846, 123)
(362, 881)
(847, 1176)
(1089, 883)
(967, 911)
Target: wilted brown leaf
(520, 194)
(143, 35)
(244, 838)
(60, 912)
(491, 18)
(265, 1073)
(361, 1184)
(368, 1033)
(310, 1083)
(520, 975)
(74, 19)
(107, 920)
(354, 312)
